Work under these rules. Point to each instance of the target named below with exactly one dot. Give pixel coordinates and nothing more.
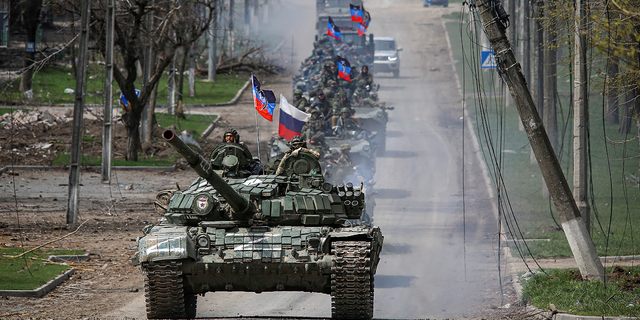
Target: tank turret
(242, 208)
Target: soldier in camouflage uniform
(296, 145)
(323, 104)
(365, 75)
(299, 101)
(317, 143)
(314, 125)
(345, 123)
(330, 72)
(362, 97)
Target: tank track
(164, 291)
(351, 280)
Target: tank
(288, 232)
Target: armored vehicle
(374, 119)
(260, 233)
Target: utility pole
(580, 115)
(107, 132)
(78, 109)
(572, 223)
(247, 18)
(192, 73)
(213, 38)
(231, 31)
(171, 87)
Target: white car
(386, 57)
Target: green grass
(614, 213)
(15, 276)
(49, 85)
(570, 294)
(196, 122)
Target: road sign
(31, 47)
(488, 60)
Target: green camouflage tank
(260, 233)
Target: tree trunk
(31, 16)
(612, 94)
(625, 116)
(131, 123)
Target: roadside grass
(198, 123)
(62, 159)
(569, 293)
(49, 86)
(613, 212)
(30, 271)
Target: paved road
(438, 261)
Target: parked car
(429, 3)
(386, 57)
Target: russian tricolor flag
(356, 13)
(264, 100)
(291, 120)
(344, 68)
(333, 30)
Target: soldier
(345, 155)
(345, 123)
(296, 145)
(299, 101)
(322, 104)
(365, 75)
(317, 143)
(362, 97)
(231, 145)
(329, 73)
(314, 124)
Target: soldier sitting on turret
(233, 157)
(296, 145)
(346, 123)
(314, 124)
(299, 101)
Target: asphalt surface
(439, 258)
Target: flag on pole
(344, 68)
(356, 14)
(366, 17)
(264, 100)
(333, 30)
(291, 120)
(361, 29)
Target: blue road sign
(31, 47)
(488, 60)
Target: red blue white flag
(344, 68)
(264, 100)
(361, 29)
(356, 14)
(291, 120)
(333, 30)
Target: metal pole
(213, 30)
(579, 240)
(580, 116)
(108, 95)
(78, 108)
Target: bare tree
(177, 23)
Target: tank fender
(165, 243)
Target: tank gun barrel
(242, 207)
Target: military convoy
(289, 232)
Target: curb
(43, 289)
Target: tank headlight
(393, 58)
(203, 241)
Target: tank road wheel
(164, 291)
(351, 280)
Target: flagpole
(258, 130)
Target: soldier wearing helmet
(365, 75)
(299, 101)
(323, 104)
(346, 123)
(314, 125)
(345, 155)
(296, 145)
(233, 157)
(330, 72)
(362, 97)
